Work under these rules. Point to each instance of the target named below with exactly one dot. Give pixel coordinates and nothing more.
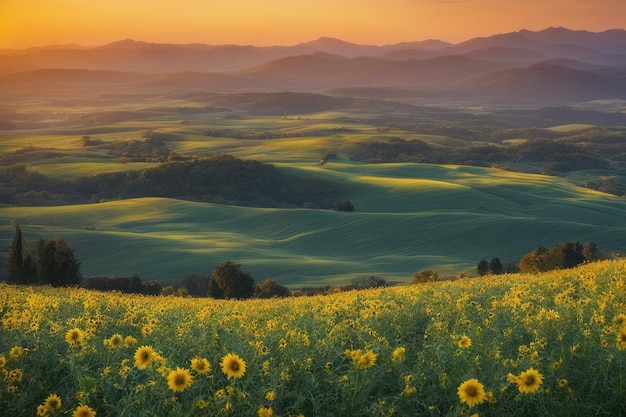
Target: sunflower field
(552, 344)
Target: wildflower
(408, 390)
(74, 336)
(83, 411)
(200, 365)
(233, 366)
(129, 341)
(144, 356)
(621, 338)
(17, 352)
(115, 340)
(367, 360)
(465, 342)
(529, 381)
(398, 354)
(3, 361)
(265, 412)
(471, 392)
(179, 380)
(563, 383)
(41, 410)
(52, 403)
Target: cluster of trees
(541, 259)
(49, 262)
(561, 256)
(243, 134)
(220, 179)
(127, 284)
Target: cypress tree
(15, 259)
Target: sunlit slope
(408, 217)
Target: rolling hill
(408, 217)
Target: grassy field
(552, 344)
(408, 216)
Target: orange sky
(25, 23)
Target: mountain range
(552, 66)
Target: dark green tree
(229, 281)
(483, 267)
(15, 259)
(269, 289)
(496, 267)
(425, 275)
(344, 205)
(56, 264)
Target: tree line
(52, 262)
(221, 179)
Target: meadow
(408, 216)
(551, 344)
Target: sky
(27, 23)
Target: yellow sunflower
(265, 412)
(367, 360)
(465, 342)
(74, 336)
(179, 380)
(529, 381)
(52, 403)
(472, 392)
(233, 366)
(398, 354)
(200, 365)
(144, 356)
(621, 338)
(115, 340)
(83, 411)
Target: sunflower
(398, 354)
(115, 340)
(265, 412)
(465, 342)
(529, 381)
(200, 365)
(179, 380)
(144, 356)
(52, 403)
(74, 336)
(233, 366)
(367, 360)
(621, 338)
(83, 411)
(471, 392)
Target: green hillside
(408, 217)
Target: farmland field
(552, 344)
(408, 216)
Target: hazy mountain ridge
(553, 66)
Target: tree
(425, 275)
(229, 281)
(56, 264)
(496, 267)
(15, 259)
(344, 205)
(269, 288)
(483, 267)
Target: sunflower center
(145, 356)
(180, 380)
(234, 366)
(530, 380)
(471, 391)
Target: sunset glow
(26, 23)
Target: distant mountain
(545, 83)
(555, 65)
